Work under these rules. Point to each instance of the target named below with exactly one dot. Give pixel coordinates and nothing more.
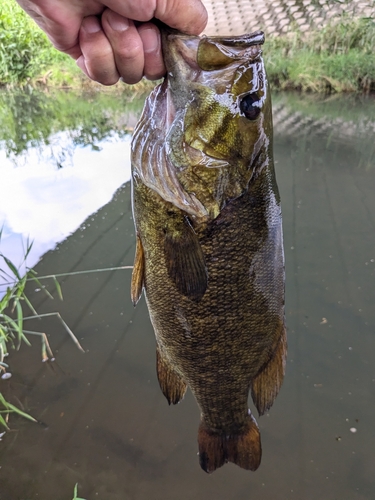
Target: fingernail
(151, 40)
(91, 24)
(80, 62)
(117, 22)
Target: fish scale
(213, 280)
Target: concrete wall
(234, 17)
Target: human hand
(113, 38)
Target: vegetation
(340, 57)
(12, 319)
(27, 56)
(76, 493)
(26, 53)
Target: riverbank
(337, 58)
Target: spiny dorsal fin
(138, 272)
(185, 260)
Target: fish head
(213, 115)
(219, 113)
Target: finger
(61, 21)
(189, 16)
(126, 45)
(154, 64)
(99, 60)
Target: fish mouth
(187, 55)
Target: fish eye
(249, 106)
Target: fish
(209, 246)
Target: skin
(113, 39)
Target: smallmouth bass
(209, 250)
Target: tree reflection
(29, 118)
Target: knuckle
(130, 48)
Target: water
(107, 425)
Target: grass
(13, 333)
(12, 315)
(338, 58)
(28, 57)
(12, 319)
(7, 408)
(25, 51)
(76, 493)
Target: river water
(106, 425)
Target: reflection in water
(30, 118)
(62, 158)
(109, 427)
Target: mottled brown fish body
(209, 241)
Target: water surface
(107, 425)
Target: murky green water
(110, 429)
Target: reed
(12, 323)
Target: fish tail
(243, 448)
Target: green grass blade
(19, 316)
(14, 409)
(2, 422)
(16, 329)
(58, 288)
(28, 249)
(29, 304)
(4, 302)
(76, 493)
(11, 408)
(12, 267)
(20, 286)
(34, 278)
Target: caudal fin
(243, 449)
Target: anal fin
(138, 272)
(185, 260)
(171, 383)
(243, 448)
(267, 383)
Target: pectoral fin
(185, 260)
(267, 383)
(138, 272)
(170, 382)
